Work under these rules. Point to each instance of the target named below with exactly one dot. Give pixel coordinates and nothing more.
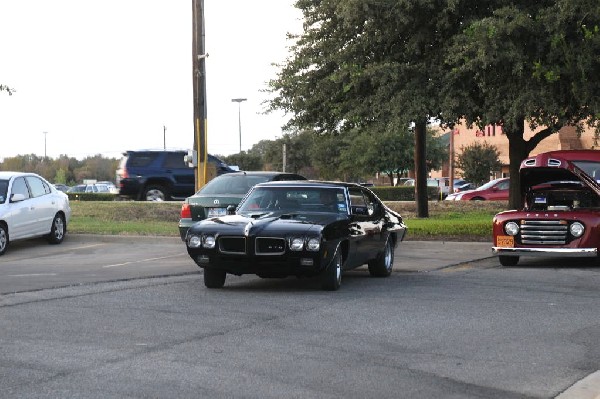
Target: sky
(105, 77)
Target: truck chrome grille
(544, 232)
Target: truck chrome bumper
(559, 252)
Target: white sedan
(31, 207)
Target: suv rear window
(141, 159)
(174, 160)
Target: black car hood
(276, 223)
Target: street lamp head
(238, 100)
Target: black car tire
(57, 232)
(332, 276)
(214, 278)
(506, 260)
(384, 264)
(155, 193)
(3, 239)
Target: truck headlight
(511, 228)
(576, 229)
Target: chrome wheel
(57, 232)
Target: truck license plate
(505, 241)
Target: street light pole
(239, 101)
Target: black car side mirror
(231, 209)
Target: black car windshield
(228, 184)
(3, 190)
(295, 199)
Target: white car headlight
(209, 242)
(576, 229)
(511, 228)
(296, 244)
(194, 241)
(313, 244)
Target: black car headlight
(205, 241)
(305, 243)
(297, 243)
(209, 242)
(313, 244)
(194, 241)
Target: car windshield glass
(227, 184)
(3, 190)
(488, 185)
(295, 199)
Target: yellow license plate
(505, 241)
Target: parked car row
(275, 224)
(442, 183)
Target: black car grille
(232, 245)
(242, 246)
(544, 232)
(270, 246)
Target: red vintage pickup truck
(560, 215)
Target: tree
(7, 89)
(529, 62)
(244, 160)
(477, 161)
(367, 64)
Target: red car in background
(560, 215)
(495, 190)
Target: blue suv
(161, 175)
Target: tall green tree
(477, 161)
(533, 62)
(366, 64)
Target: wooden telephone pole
(199, 79)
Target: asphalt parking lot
(153, 310)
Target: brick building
(566, 139)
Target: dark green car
(213, 199)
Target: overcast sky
(105, 77)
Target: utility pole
(45, 134)
(199, 79)
(164, 137)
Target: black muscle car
(299, 228)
